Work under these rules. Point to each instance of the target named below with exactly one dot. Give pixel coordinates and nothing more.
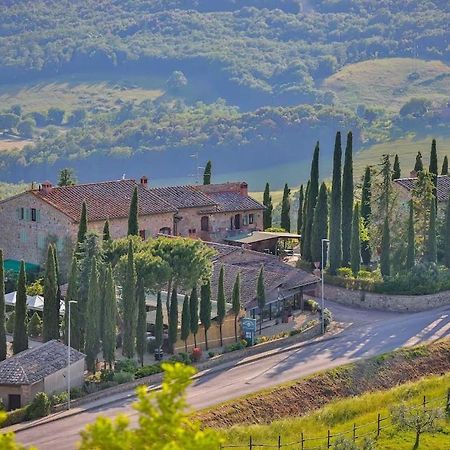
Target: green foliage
(173, 320)
(411, 251)
(205, 309)
(347, 201)
(366, 212)
(55, 116)
(39, 407)
(433, 168)
(221, 302)
(82, 227)
(267, 213)
(431, 249)
(92, 344)
(305, 212)
(141, 330)
(355, 247)
(50, 316)
(34, 326)
(396, 172)
(9, 326)
(72, 296)
(110, 318)
(336, 209)
(385, 258)
(261, 296)
(129, 304)
(36, 287)
(147, 371)
(285, 210)
(320, 226)
(207, 173)
(185, 321)
(20, 338)
(67, 177)
(159, 325)
(2, 310)
(126, 365)
(236, 302)
(418, 166)
(444, 170)
(300, 210)
(106, 233)
(123, 377)
(133, 224)
(193, 306)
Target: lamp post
(323, 262)
(68, 355)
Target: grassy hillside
(389, 83)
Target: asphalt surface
(368, 333)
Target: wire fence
(370, 429)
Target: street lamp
(68, 355)
(323, 262)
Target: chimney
(144, 181)
(244, 189)
(46, 187)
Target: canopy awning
(34, 302)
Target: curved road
(368, 333)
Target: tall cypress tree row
(129, 305)
(396, 173)
(185, 322)
(193, 306)
(261, 296)
(221, 303)
(444, 170)
(347, 200)
(110, 322)
(431, 250)
(320, 225)
(385, 258)
(58, 286)
(72, 295)
(106, 233)
(355, 247)
(173, 321)
(141, 330)
(433, 169)
(411, 249)
(418, 166)
(2, 310)
(446, 232)
(236, 303)
(207, 173)
(92, 342)
(82, 227)
(20, 337)
(285, 209)
(336, 209)
(366, 212)
(305, 209)
(159, 325)
(300, 210)
(205, 309)
(133, 223)
(50, 316)
(267, 213)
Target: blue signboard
(248, 327)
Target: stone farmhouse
(47, 213)
(405, 186)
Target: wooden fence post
(250, 445)
(302, 442)
(378, 424)
(328, 439)
(279, 442)
(354, 432)
(424, 402)
(447, 406)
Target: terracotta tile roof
(234, 201)
(36, 363)
(110, 199)
(184, 196)
(443, 186)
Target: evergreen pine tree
(385, 258)
(411, 250)
(355, 247)
(50, 316)
(110, 322)
(129, 305)
(106, 232)
(58, 287)
(305, 210)
(205, 309)
(173, 321)
(72, 295)
(2, 310)
(446, 232)
(336, 209)
(20, 337)
(418, 166)
(133, 224)
(285, 210)
(347, 200)
(431, 250)
(320, 225)
(261, 296)
(159, 325)
(221, 303)
(82, 227)
(300, 210)
(444, 170)
(396, 174)
(141, 330)
(366, 212)
(34, 326)
(193, 306)
(267, 213)
(92, 342)
(433, 169)
(207, 173)
(185, 322)
(236, 303)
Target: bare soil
(311, 393)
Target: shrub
(34, 326)
(123, 377)
(234, 347)
(327, 318)
(106, 375)
(345, 272)
(181, 357)
(196, 354)
(17, 416)
(311, 305)
(125, 365)
(39, 407)
(211, 354)
(146, 371)
(76, 392)
(58, 399)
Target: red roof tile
(443, 186)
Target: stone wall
(384, 302)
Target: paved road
(369, 333)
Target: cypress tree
(20, 337)
(396, 174)
(285, 209)
(110, 322)
(336, 209)
(447, 235)
(411, 250)
(261, 296)
(366, 212)
(58, 286)
(2, 310)
(50, 316)
(205, 309)
(106, 233)
(347, 200)
(418, 166)
(72, 295)
(207, 173)
(320, 225)
(355, 248)
(267, 202)
(305, 209)
(300, 210)
(444, 170)
(185, 322)
(82, 227)
(221, 303)
(159, 325)
(193, 306)
(173, 320)
(141, 330)
(129, 305)
(433, 168)
(236, 302)
(92, 344)
(431, 241)
(385, 259)
(133, 225)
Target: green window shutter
(18, 213)
(38, 215)
(27, 214)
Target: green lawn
(340, 417)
